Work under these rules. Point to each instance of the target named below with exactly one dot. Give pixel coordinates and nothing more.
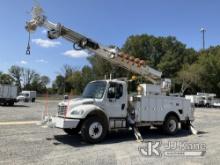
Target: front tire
(170, 125)
(94, 129)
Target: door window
(115, 90)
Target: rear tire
(170, 125)
(33, 100)
(94, 129)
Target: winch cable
(28, 50)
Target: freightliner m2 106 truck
(106, 105)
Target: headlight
(77, 112)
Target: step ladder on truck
(105, 105)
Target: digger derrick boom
(118, 58)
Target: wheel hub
(95, 130)
(172, 125)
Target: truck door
(116, 100)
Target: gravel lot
(32, 144)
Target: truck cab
(107, 96)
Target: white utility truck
(197, 101)
(27, 96)
(201, 99)
(8, 94)
(208, 98)
(106, 105)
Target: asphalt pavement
(22, 141)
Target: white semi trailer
(106, 105)
(8, 94)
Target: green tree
(209, 63)
(28, 76)
(164, 53)
(45, 80)
(187, 77)
(6, 79)
(16, 73)
(87, 75)
(59, 84)
(76, 81)
(39, 83)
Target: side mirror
(111, 93)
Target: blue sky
(108, 22)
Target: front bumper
(60, 122)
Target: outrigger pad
(193, 130)
(137, 135)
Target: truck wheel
(94, 129)
(170, 125)
(33, 100)
(72, 131)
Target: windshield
(24, 94)
(94, 90)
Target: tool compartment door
(148, 111)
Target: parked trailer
(8, 94)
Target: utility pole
(202, 30)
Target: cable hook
(28, 50)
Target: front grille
(62, 110)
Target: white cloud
(76, 53)
(42, 61)
(23, 62)
(46, 43)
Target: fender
(86, 110)
(174, 114)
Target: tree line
(191, 71)
(25, 79)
